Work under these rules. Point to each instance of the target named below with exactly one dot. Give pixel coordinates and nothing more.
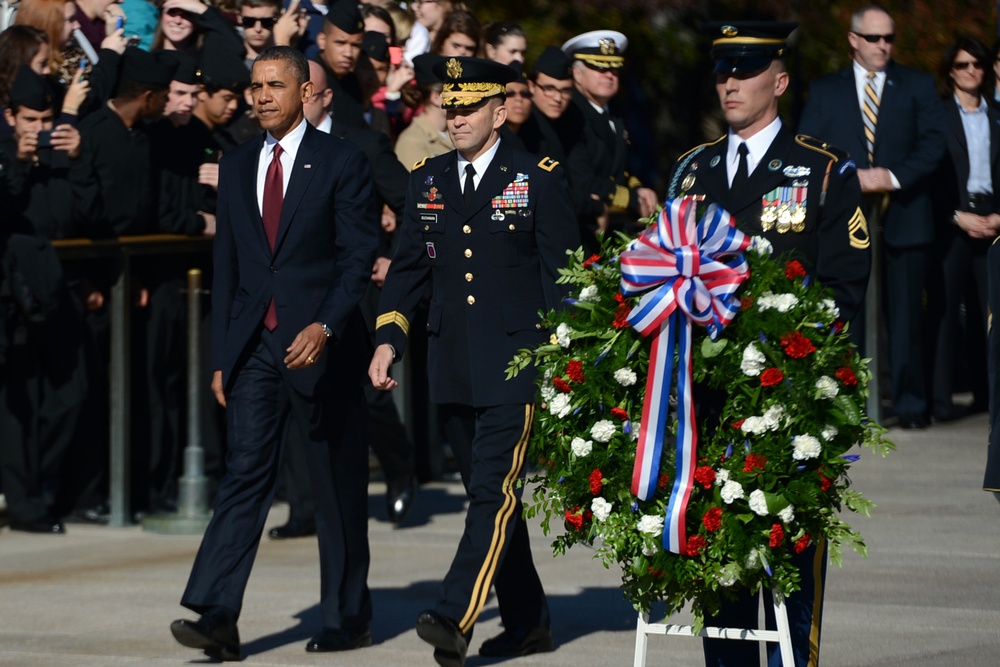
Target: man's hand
(116, 40)
(875, 179)
(388, 219)
(110, 17)
(67, 138)
(378, 371)
(208, 174)
(399, 76)
(209, 219)
(306, 348)
(27, 146)
(380, 270)
(976, 226)
(647, 201)
(190, 6)
(290, 26)
(217, 391)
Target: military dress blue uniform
(493, 267)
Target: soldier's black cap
(746, 46)
(186, 66)
(554, 63)
(345, 15)
(32, 90)
(144, 67)
(223, 69)
(376, 45)
(470, 81)
(423, 68)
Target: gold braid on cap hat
(467, 94)
(602, 61)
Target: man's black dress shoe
(399, 496)
(43, 526)
(99, 513)
(517, 642)
(294, 528)
(214, 633)
(911, 422)
(450, 645)
(950, 413)
(337, 639)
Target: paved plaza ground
(928, 595)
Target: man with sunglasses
(264, 24)
(888, 117)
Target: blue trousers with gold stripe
(490, 446)
(805, 617)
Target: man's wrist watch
(327, 331)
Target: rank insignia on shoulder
(857, 230)
(418, 164)
(792, 171)
(548, 164)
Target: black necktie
(740, 179)
(470, 184)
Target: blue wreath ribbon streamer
(687, 273)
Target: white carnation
(562, 334)
(829, 432)
(548, 391)
(731, 491)
(581, 447)
(780, 302)
(650, 525)
(830, 308)
(754, 425)
(650, 549)
(806, 447)
(602, 430)
(601, 508)
(721, 477)
(560, 406)
(826, 387)
(728, 575)
(589, 293)
(626, 377)
(753, 361)
(761, 245)
(758, 503)
(787, 515)
(774, 417)
(634, 435)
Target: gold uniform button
(511, 228)
(471, 299)
(467, 229)
(538, 326)
(427, 228)
(468, 277)
(468, 252)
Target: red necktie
(271, 215)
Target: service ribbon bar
(682, 272)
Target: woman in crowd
(504, 42)
(427, 135)
(458, 36)
(432, 13)
(185, 25)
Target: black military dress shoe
(337, 639)
(294, 528)
(43, 526)
(399, 496)
(450, 645)
(517, 642)
(214, 633)
(911, 422)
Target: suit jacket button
(468, 252)
(468, 277)
(467, 229)
(272, 269)
(471, 299)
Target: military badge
(796, 172)
(453, 69)
(774, 165)
(688, 182)
(429, 180)
(715, 161)
(431, 251)
(514, 195)
(498, 215)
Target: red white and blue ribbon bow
(688, 273)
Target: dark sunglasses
(873, 39)
(962, 66)
(523, 94)
(176, 11)
(249, 22)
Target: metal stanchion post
(873, 311)
(192, 508)
(121, 397)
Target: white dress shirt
(290, 145)
(757, 146)
(480, 164)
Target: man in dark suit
(888, 118)
(604, 193)
(295, 240)
(489, 227)
(803, 196)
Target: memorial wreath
(690, 511)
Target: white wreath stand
(782, 635)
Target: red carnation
(777, 535)
(574, 369)
(796, 345)
(712, 519)
(847, 376)
(619, 413)
(705, 476)
(695, 544)
(838, 326)
(590, 260)
(794, 269)
(587, 515)
(619, 297)
(824, 482)
(561, 385)
(771, 377)
(746, 302)
(663, 481)
(574, 519)
(596, 481)
(738, 424)
(801, 544)
(754, 462)
(621, 316)
(654, 571)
